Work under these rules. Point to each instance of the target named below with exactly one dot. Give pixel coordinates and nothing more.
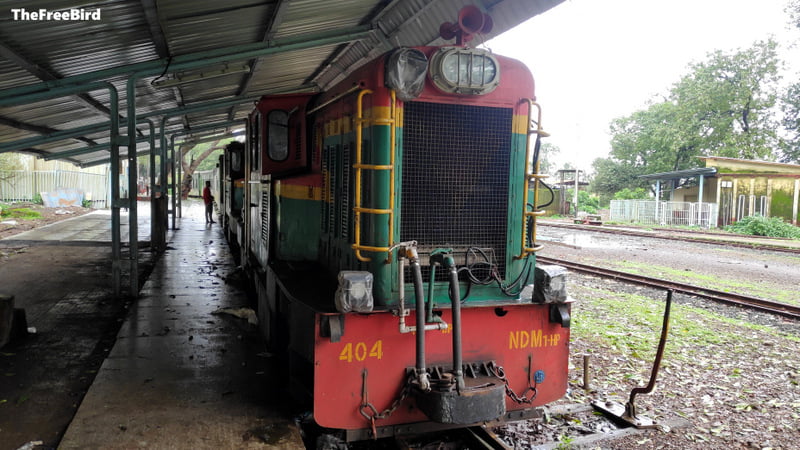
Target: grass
(711, 281)
(630, 324)
(7, 212)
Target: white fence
(650, 212)
(23, 186)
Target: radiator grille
(455, 178)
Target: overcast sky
(595, 60)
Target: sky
(596, 60)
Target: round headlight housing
(459, 70)
(405, 72)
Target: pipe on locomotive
(439, 324)
(455, 298)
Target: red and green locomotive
(388, 227)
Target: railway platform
(166, 370)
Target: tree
(791, 103)
(790, 152)
(9, 162)
(611, 176)
(546, 154)
(723, 107)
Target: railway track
(759, 304)
(720, 241)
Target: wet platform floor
(178, 375)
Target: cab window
(278, 135)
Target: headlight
(355, 292)
(405, 72)
(464, 71)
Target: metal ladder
(534, 128)
(359, 166)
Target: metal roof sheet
(159, 33)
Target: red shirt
(207, 198)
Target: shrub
(586, 201)
(764, 226)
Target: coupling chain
(371, 413)
(527, 395)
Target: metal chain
(527, 395)
(371, 413)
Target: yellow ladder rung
(359, 209)
(535, 213)
(368, 248)
(373, 166)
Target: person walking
(208, 199)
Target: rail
(759, 304)
(723, 239)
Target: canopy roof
(190, 53)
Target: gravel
(730, 377)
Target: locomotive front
(444, 151)
(407, 186)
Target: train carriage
(389, 232)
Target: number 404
(360, 351)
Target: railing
(23, 186)
(650, 212)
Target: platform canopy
(187, 54)
(679, 174)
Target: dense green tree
(611, 176)
(791, 122)
(791, 103)
(724, 106)
(631, 194)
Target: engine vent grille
(455, 178)
(265, 193)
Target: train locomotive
(388, 226)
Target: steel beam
(45, 75)
(37, 129)
(86, 150)
(200, 59)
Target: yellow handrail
(534, 128)
(359, 166)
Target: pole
(575, 197)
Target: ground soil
(45, 374)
